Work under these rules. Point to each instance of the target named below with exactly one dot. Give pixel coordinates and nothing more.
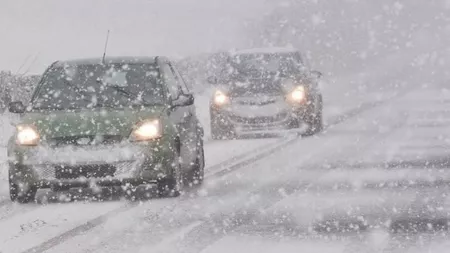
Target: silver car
(263, 90)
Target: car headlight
(298, 94)
(148, 130)
(221, 98)
(27, 136)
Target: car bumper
(87, 166)
(92, 182)
(232, 121)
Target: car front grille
(51, 172)
(80, 140)
(258, 103)
(259, 120)
(87, 171)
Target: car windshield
(97, 85)
(262, 65)
(259, 73)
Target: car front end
(84, 151)
(239, 113)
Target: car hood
(101, 121)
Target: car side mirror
(183, 100)
(316, 74)
(212, 80)
(16, 107)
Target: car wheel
(170, 185)
(22, 194)
(196, 175)
(315, 120)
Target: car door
(179, 115)
(194, 130)
(192, 108)
(185, 90)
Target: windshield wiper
(78, 89)
(129, 94)
(95, 104)
(122, 90)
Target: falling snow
(263, 126)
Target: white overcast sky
(49, 30)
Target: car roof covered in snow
(110, 60)
(265, 50)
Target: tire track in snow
(221, 172)
(4, 202)
(220, 226)
(214, 228)
(31, 228)
(167, 222)
(86, 226)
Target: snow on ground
(285, 200)
(340, 97)
(216, 152)
(56, 223)
(256, 244)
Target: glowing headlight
(220, 98)
(148, 130)
(298, 94)
(27, 136)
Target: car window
(262, 65)
(171, 80)
(180, 79)
(80, 86)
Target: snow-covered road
(277, 193)
(356, 188)
(316, 199)
(342, 191)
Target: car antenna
(106, 46)
(23, 64)
(31, 64)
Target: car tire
(22, 195)
(315, 120)
(170, 185)
(20, 192)
(197, 173)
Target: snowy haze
(375, 180)
(338, 35)
(60, 29)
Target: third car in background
(265, 89)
